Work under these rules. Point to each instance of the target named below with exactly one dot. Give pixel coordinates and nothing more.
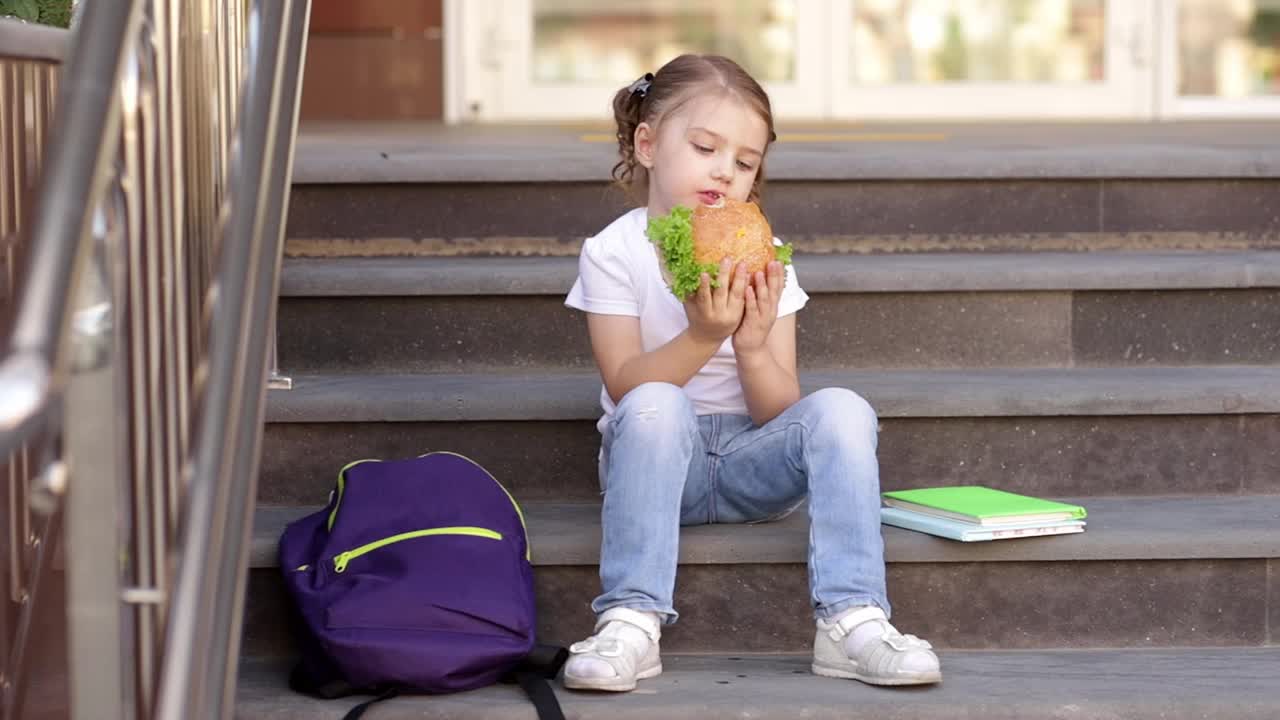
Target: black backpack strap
(357, 712)
(541, 694)
(545, 660)
(542, 664)
(315, 678)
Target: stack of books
(970, 513)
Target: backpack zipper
(341, 559)
(528, 548)
(342, 483)
(342, 487)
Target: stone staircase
(421, 308)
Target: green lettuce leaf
(673, 235)
(783, 253)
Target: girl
(703, 419)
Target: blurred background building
(464, 61)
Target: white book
(969, 532)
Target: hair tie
(641, 87)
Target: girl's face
(709, 148)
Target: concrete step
(890, 311)
(1095, 431)
(467, 190)
(1169, 571)
(394, 153)
(995, 392)
(859, 216)
(925, 272)
(1172, 684)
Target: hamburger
(691, 242)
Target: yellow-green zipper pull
(340, 561)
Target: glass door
(992, 59)
(839, 60)
(1223, 56)
(564, 59)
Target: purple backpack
(415, 577)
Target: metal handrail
(34, 368)
(208, 605)
(23, 380)
(22, 41)
(156, 440)
(85, 129)
(30, 64)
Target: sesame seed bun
(733, 229)
(690, 242)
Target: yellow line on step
(814, 137)
(860, 137)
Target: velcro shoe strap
(645, 621)
(850, 620)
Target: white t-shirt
(619, 274)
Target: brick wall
(374, 61)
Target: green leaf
(673, 234)
(26, 9)
(783, 253)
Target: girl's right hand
(714, 314)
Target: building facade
(477, 61)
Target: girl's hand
(761, 309)
(714, 314)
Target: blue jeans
(663, 466)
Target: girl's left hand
(762, 297)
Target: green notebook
(982, 505)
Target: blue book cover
(969, 532)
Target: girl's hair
(670, 88)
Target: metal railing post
(97, 522)
(276, 381)
(136, 369)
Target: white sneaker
(862, 645)
(623, 650)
